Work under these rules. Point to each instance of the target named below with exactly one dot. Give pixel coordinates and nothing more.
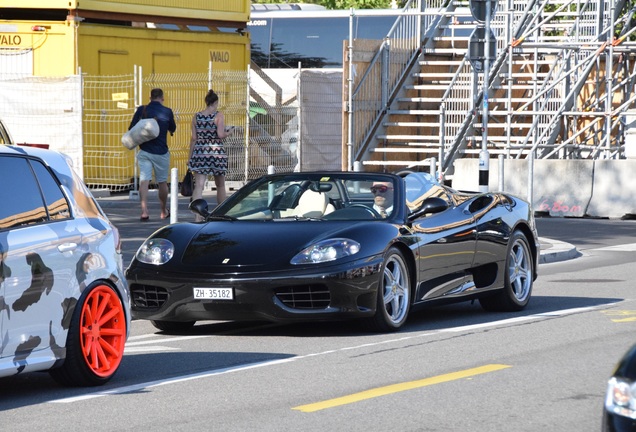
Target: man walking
(154, 155)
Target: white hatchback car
(64, 301)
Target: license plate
(213, 293)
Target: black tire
(96, 339)
(394, 294)
(173, 326)
(518, 278)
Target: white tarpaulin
(316, 140)
(39, 110)
(320, 120)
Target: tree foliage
(629, 10)
(344, 4)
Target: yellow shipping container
(109, 42)
(214, 10)
(111, 50)
(60, 49)
(111, 38)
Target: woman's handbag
(185, 188)
(144, 130)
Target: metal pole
(501, 172)
(270, 188)
(483, 154)
(210, 75)
(609, 60)
(530, 179)
(299, 112)
(80, 163)
(246, 143)
(350, 96)
(510, 80)
(174, 195)
(134, 194)
(442, 139)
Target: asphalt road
(452, 368)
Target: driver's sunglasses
(379, 189)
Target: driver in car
(382, 198)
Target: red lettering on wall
(559, 207)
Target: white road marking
(151, 348)
(143, 336)
(164, 340)
(136, 345)
(222, 371)
(631, 247)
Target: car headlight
(621, 397)
(327, 250)
(155, 251)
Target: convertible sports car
(336, 245)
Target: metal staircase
(547, 90)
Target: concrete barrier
(614, 194)
(572, 188)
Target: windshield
(345, 196)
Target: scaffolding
(560, 86)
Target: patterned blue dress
(208, 155)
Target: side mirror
(429, 206)
(200, 207)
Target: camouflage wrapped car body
(55, 247)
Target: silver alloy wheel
(520, 270)
(396, 289)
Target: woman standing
(207, 153)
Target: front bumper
(327, 292)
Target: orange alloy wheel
(103, 331)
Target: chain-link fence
(256, 144)
(110, 103)
(85, 117)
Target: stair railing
(386, 72)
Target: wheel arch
(122, 292)
(532, 242)
(409, 257)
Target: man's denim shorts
(149, 162)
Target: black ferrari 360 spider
(336, 245)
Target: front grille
(148, 296)
(304, 297)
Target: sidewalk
(124, 212)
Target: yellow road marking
(624, 320)
(630, 314)
(619, 312)
(396, 388)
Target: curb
(555, 250)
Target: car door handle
(67, 247)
